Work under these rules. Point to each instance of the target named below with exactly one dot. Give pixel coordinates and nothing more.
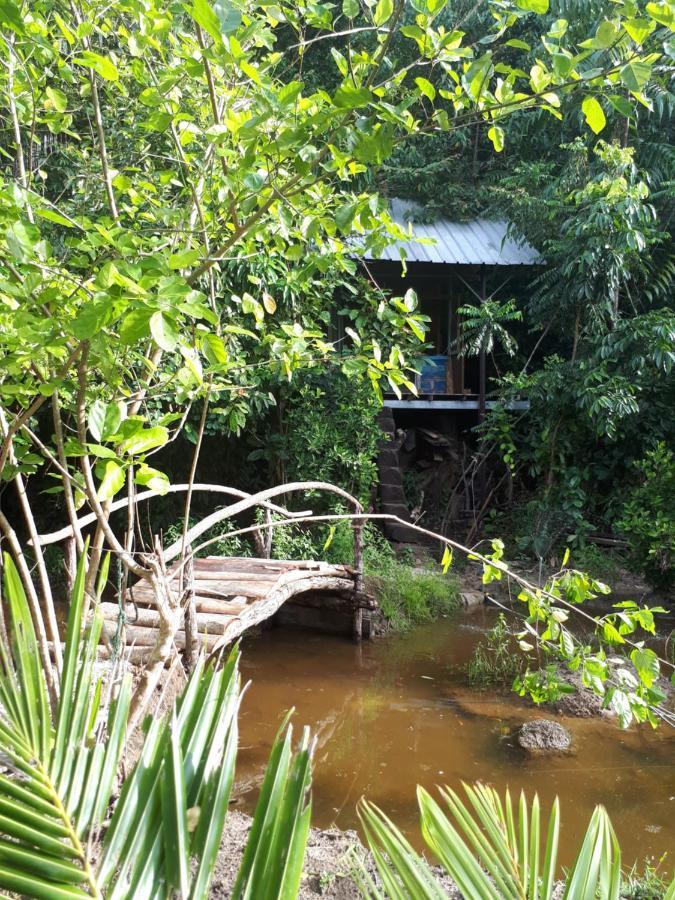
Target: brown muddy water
(396, 712)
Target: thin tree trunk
(43, 576)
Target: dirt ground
(329, 862)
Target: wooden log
(139, 636)
(229, 607)
(149, 617)
(205, 576)
(136, 656)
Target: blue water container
(433, 377)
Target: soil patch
(329, 862)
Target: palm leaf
(272, 863)
(490, 849)
(63, 767)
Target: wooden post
(190, 614)
(357, 625)
(482, 389)
(268, 534)
(357, 621)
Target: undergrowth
(650, 884)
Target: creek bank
(329, 862)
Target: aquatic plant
(165, 826)
(646, 884)
(492, 848)
(494, 661)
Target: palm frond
(493, 849)
(166, 827)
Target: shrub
(236, 545)
(648, 520)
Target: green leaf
(228, 15)
(174, 816)
(623, 106)
(426, 87)
(647, 665)
(19, 241)
(536, 6)
(350, 97)
(105, 419)
(112, 481)
(635, 75)
(57, 99)
(639, 29)
(416, 329)
(214, 349)
(350, 8)
(594, 114)
(344, 216)
(53, 216)
(152, 479)
(136, 326)
(164, 331)
(496, 135)
(93, 316)
(147, 439)
(606, 34)
(184, 259)
(383, 11)
(203, 14)
(663, 13)
(102, 65)
(10, 15)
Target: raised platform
(449, 402)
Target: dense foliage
(592, 191)
(648, 520)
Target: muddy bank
(329, 862)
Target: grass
(494, 662)
(410, 596)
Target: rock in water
(543, 736)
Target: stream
(396, 712)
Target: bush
(237, 545)
(648, 519)
(329, 429)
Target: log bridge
(233, 594)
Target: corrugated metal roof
(481, 241)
